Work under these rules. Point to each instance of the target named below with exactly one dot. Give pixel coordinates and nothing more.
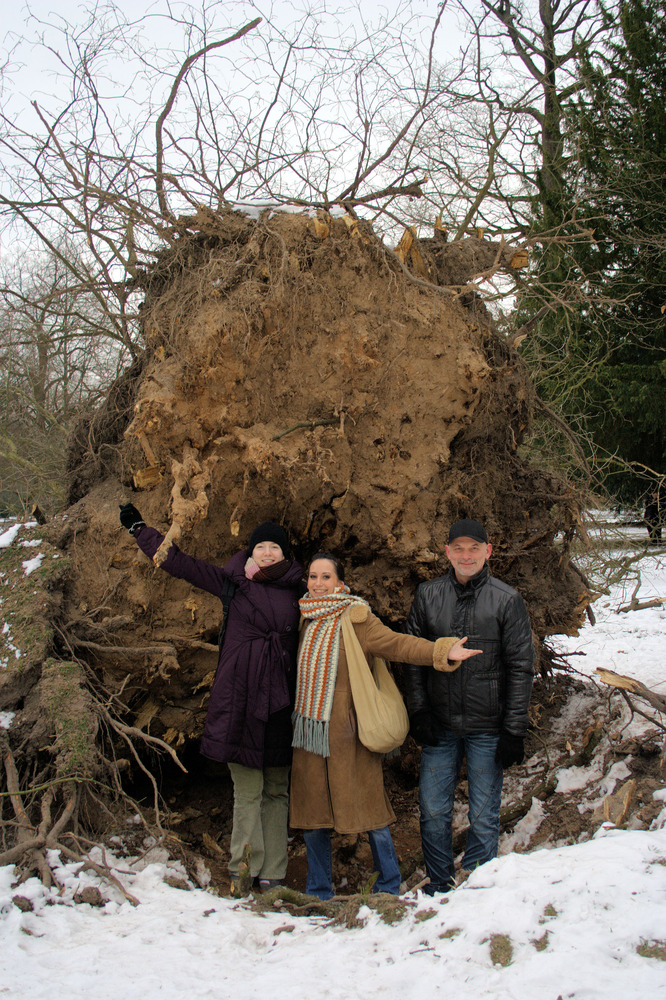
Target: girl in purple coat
(248, 724)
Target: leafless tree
(58, 352)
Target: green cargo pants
(261, 807)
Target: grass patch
(501, 950)
(548, 913)
(452, 932)
(422, 915)
(652, 949)
(69, 709)
(541, 943)
(28, 602)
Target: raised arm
(378, 639)
(198, 572)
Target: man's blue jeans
(320, 866)
(440, 767)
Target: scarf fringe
(311, 735)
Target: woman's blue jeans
(440, 767)
(320, 865)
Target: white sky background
(30, 73)
(133, 94)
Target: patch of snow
(525, 829)
(8, 536)
(618, 772)
(572, 779)
(32, 564)
(632, 642)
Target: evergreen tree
(622, 128)
(603, 352)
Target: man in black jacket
(478, 711)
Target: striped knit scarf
(318, 667)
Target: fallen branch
(431, 286)
(624, 683)
(640, 605)
(644, 715)
(519, 335)
(32, 843)
(103, 871)
(157, 649)
(127, 731)
(25, 827)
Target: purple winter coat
(252, 697)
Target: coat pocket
(483, 698)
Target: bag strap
(356, 661)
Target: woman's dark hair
(339, 568)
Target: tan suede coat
(345, 792)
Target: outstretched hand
(460, 652)
(130, 517)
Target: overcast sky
(132, 91)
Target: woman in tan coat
(336, 783)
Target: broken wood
(624, 683)
(634, 605)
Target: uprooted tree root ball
(295, 370)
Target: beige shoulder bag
(383, 722)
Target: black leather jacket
(489, 692)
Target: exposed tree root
(78, 761)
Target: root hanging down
(192, 477)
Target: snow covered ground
(632, 642)
(584, 921)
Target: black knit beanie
(269, 531)
(468, 529)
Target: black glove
(130, 518)
(422, 728)
(510, 749)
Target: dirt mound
(313, 382)
(295, 370)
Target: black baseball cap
(468, 529)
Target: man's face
(467, 556)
